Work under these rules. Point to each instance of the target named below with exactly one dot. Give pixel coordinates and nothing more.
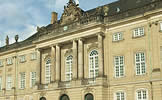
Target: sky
(21, 17)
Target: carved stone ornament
(71, 13)
(63, 91)
(43, 93)
(68, 52)
(88, 90)
(106, 9)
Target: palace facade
(112, 52)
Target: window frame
(33, 56)
(136, 70)
(48, 70)
(22, 80)
(94, 62)
(138, 30)
(1, 83)
(120, 91)
(22, 58)
(32, 79)
(142, 89)
(9, 61)
(160, 26)
(9, 82)
(1, 63)
(119, 36)
(115, 73)
(70, 73)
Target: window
(118, 36)
(9, 82)
(68, 71)
(22, 80)
(93, 64)
(119, 66)
(138, 32)
(0, 83)
(89, 96)
(30, 98)
(48, 71)
(160, 26)
(9, 61)
(32, 78)
(1, 63)
(22, 58)
(64, 97)
(140, 63)
(141, 94)
(120, 96)
(33, 56)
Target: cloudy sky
(22, 16)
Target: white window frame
(120, 96)
(160, 26)
(138, 32)
(92, 64)
(1, 82)
(22, 58)
(119, 67)
(140, 70)
(142, 94)
(32, 78)
(33, 56)
(68, 69)
(22, 80)
(48, 71)
(1, 63)
(118, 36)
(9, 61)
(9, 82)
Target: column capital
(101, 34)
(38, 49)
(81, 39)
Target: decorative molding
(68, 52)
(92, 46)
(88, 90)
(47, 57)
(43, 93)
(63, 91)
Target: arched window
(68, 69)
(48, 71)
(89, 96)
(93, 64)
(64, 97)
(42, 98)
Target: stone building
(112, 52)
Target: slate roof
(127, 9)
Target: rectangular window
(140, 63)
(160, 26)
(9, 82)
(141, 95)
(1, 63)
(32, 78)
(33, 56)
(119, 66)
(0, 83)
(9, 61)
(47, 74)
(118, 36)
(120, 96)
(22, 80)
(138, 32)
(22, 58)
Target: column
(80, 59)
(53, 64)
(38, 73)
(58, 63)
(100, 54)
(75, 59)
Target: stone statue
(16, 38)
(7, 40)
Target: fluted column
(80, 59)
(38, 71)
(75, 59)
(58, 63)
(100, 54)
(53, 64)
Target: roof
(115, 11)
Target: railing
(88, 81)
(64, 84)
